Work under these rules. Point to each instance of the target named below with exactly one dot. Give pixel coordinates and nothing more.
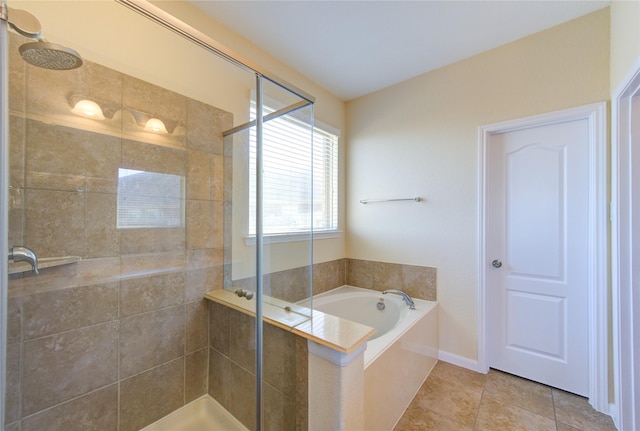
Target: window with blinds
(300, 179)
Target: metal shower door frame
(4, 198)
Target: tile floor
(457, 399)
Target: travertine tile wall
(119, 339)
(417, 281)
(292, 284)
(232, 371)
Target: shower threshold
(203, 414)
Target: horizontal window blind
(300, 177)
(150, 199)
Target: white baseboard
(460, 361)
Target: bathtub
(398, 358)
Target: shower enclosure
(162, 167)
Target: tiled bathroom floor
(457, 399)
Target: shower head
(50, 55)
(42, 53)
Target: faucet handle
(246, 293)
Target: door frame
(625, 305)
(598, 276)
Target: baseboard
(460, 361)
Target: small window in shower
(150, 199)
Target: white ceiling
(353, 48)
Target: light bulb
(155, 125)
(88, 109)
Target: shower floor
(203, 414)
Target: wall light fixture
(155, 125)
(88, 109)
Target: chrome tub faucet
(405, 297)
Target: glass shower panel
(287, 212)
(117, 183)
(287, 196)
(272, 244)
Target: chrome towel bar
(371, 201)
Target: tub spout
(405, 297)
(24, 254)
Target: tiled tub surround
(352, 393)
(417, 281)
(380, 381)
(119, 339)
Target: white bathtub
(401, 355)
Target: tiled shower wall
(120, 338)
(232, 371)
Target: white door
(537, 247)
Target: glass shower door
(268, 254)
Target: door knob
(496, 263)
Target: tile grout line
(475, 422)
(553, 402)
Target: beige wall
(420, 138)
(625, 39)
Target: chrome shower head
(50, 55)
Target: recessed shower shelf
(47, 262)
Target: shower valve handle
(246, 293)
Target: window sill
(292, 237)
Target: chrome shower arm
(22, 22)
